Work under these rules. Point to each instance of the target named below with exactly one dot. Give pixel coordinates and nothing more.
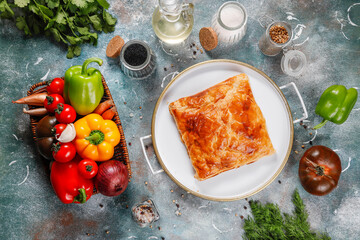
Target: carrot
(33, 99)
(36, 111)
(109, 114)
(102, 107)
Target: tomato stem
(319, 170)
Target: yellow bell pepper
(96, 137)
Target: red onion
(112, 178)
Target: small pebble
(100, 205)
(172, 65)
(125, 103)
(146, 147)
(146, 183)
(159, 228)
(107, 231)
(165, 69)
(182, 195)
(141, 117)
(150, 226)
(245, 207)
(171, 190)
(311, 142)
(177, 205)
(194, 52)
(131, 115)
(140, 107)
(129, 143)
(279, 182)
(201, 51)
(302, 146)
(242, 217)
(296, 152)
(173, 201)
(236, 214)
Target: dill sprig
(269, 223)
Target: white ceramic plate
(234, 184)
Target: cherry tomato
(55, 86)
(58, 129)
(65, 113)
(64, 152)
(319, 170)
(51, 102)
(88, 168)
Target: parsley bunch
(72, 22)
(269, 223)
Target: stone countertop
(29, 209)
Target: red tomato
(55, 86)
(319, 170)
(51, 102)
(58, 129)
(88, 168)
(65, 113)
(64, 152)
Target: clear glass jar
(293, 63)
(270, 48)
(230, 22)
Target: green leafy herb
(72, 22)
(269, 223)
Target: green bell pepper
(83, 87)
(335, 104)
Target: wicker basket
(120, 151)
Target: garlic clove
(68, 134)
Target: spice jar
(137, 60)
(277, 36)
(230, 22)
(145, 213)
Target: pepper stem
(96, 137)
(81, 198)
(321, 124)
(87, 62)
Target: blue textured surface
(31, 210)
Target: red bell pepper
(69, 185)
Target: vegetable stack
(67, 21)
(76, 137)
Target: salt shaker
(277, 36)
(230, 22)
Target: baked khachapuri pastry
(222, 127)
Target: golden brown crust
(222, 127)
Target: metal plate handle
(305, 113)
(152, 164)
